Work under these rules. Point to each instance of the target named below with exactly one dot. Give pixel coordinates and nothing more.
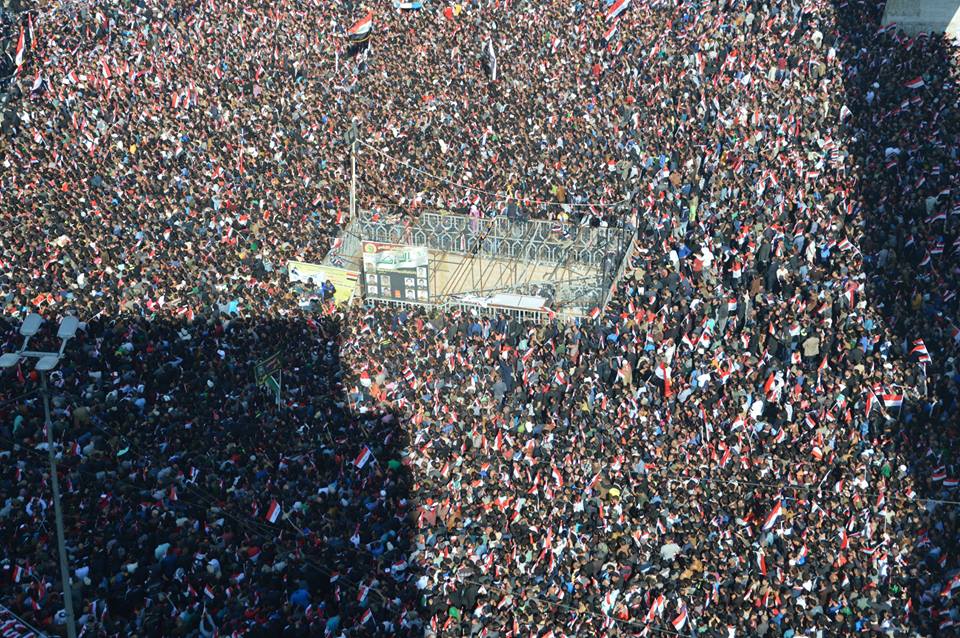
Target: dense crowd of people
(755, 437)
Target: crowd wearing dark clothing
(757, 436)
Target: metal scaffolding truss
(571, 266)
(500, 237)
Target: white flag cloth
(492, 60)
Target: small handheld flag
(616, 9)
(361, 28)
(363, 458)
(273, 513)
(773, 516)
(681, 619)
(18, 56)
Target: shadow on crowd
(902, 131)
(172, 464)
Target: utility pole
(47, 361)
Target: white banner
(392, 257)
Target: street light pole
(351, 137)
(47, 361)
(353, 180)
(58, 512)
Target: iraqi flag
(595, 313)
(616, 9)
(920, 352)
(273, 512)
(893, 400)
(725, 458)
(367, 617)
(557, 476)
(762, 562)
(18, 57)
(681, 618)
(915, 83)
(609, 35)
(773, 516)
(871, 402)
(559, 378)
(360, 30)
(768, 384)
(363, 458)
(954, 583)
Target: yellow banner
(345, 281)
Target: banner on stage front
(392, 271)
(345, 281)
